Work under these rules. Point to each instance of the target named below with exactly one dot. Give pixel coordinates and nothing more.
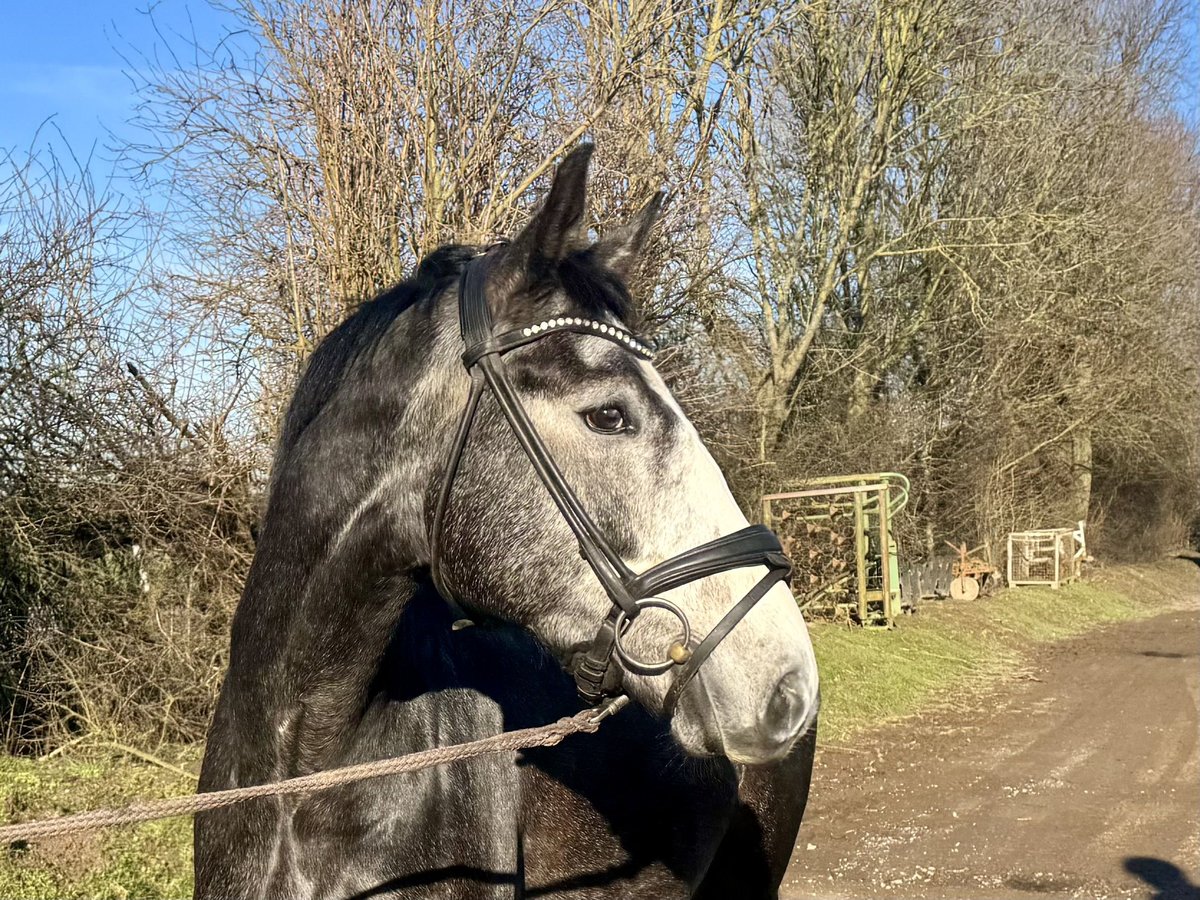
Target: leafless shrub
(123, 527)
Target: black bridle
(596, 676)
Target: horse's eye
(606, 419)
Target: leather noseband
(597, 667)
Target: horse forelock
(594, 288)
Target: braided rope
(542, 736)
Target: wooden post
(885, 555)
(1057, 561)
(860, 556)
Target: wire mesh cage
(1051, 556)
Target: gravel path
(1080, 778)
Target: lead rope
(587, 721)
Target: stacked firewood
(821, 550)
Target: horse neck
(342, 545)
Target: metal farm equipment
(1050, 556)
(838, 533)
(971, 573)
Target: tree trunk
(1081, 448)
(1081, 473)
(860, 394)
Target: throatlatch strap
(452, 463)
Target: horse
(394, 519)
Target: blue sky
(1188, 95)
(62, 65)
(61, 62)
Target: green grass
(151, 861)
(868, 676)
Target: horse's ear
(621, 250)
(555, 230)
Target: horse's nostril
(785, 710)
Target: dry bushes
(124, 528)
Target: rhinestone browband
(519, 337)
(612, 332)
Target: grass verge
(144, 861)
(867, 678)
(871, 676)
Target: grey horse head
(632, 456)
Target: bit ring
(631, 662)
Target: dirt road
(1081, 779)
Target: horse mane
(361, 331)
(594, 288)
